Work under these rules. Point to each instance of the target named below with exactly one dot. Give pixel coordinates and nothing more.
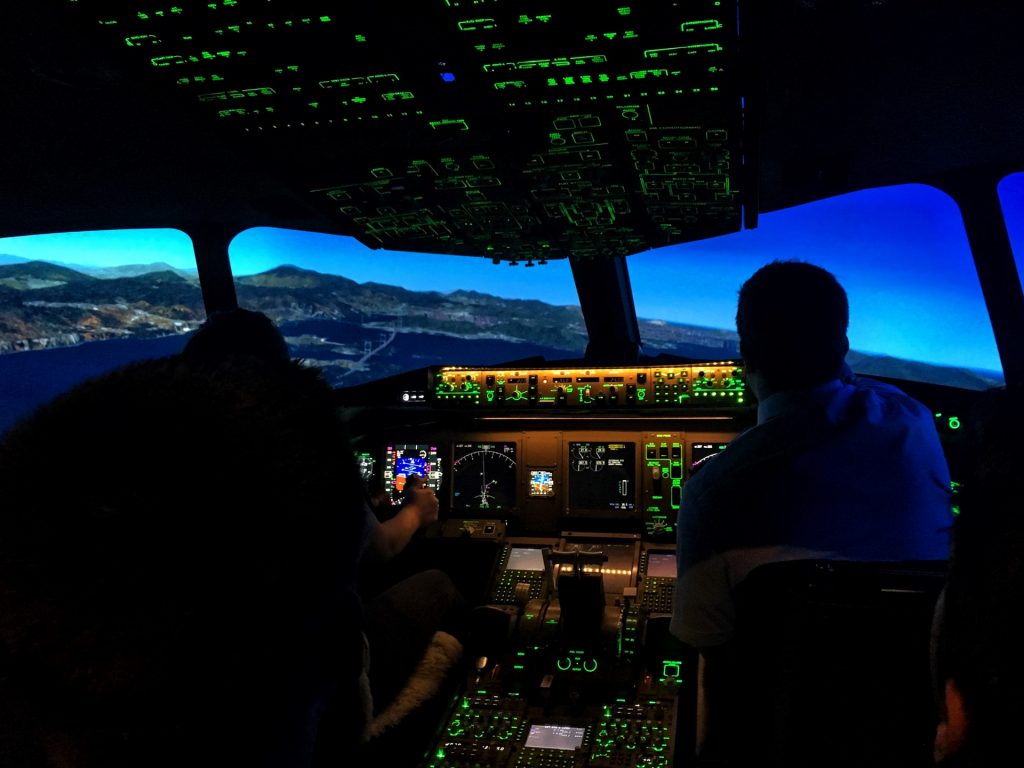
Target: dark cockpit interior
(525, 133)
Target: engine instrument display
(484, 476)
(404, 459)
(602, 476)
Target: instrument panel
(539, 446)
(575, 666)
(571, 482)
(545, 479)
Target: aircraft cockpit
(510, 236)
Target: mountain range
(45, 305)
(121, 270)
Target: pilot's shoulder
(889, 398)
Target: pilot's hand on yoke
(424, 502)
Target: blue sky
(257, 250)
(110, 248)
(901, 253)
(877, 242)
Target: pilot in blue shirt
(837, 466)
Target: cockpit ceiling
(513, 129)
(517, 131)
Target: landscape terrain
(59, 325)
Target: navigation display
(404, 459)
(484, 476)
(602, 476)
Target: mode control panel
(720, 384)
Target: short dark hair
(792, 318)
(233, 333)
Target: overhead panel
(519, 130)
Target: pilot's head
(233, 333)
(174, 565)
(792, 318)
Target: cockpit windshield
(916, 308)
(75, 305)
(1011, 198)
(917, 311)
(363, 315)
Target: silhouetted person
(177, 554)
(401, 621)
(979, 659)
(837, 466)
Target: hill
(33, 275)
(44, 305)
(135, 270)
